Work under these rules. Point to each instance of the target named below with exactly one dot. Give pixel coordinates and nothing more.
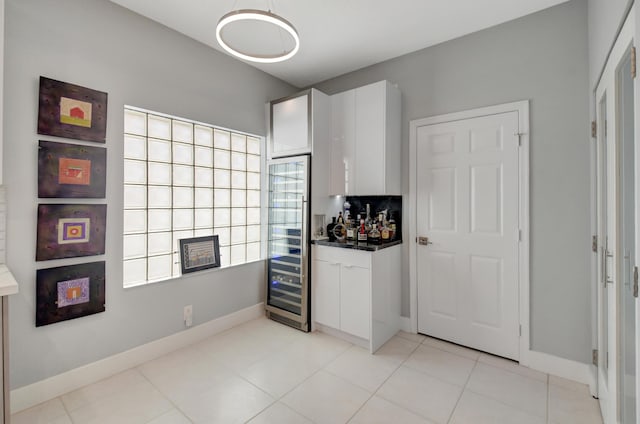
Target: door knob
(424, 241)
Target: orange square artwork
(74, 171)
(73, 293)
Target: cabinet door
(326, 293)
(290, 126)
(343, 149)
(355, 301)
(370, 120)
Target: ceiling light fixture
(261, 16)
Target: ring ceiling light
(262, 16)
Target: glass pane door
(627, 371)
(287, 286)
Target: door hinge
(594, 357)
(520, 330)
(635, 281)
(594, 129)
(594, 244)
(633, 62)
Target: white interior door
(467, 197)
(606, 199)
(628, 373)
(617, 252)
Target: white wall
(541, 57)
(97, 44)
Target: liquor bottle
(385, 235)
(367, 220)
(351, 230)
(330, 226)
(340, 219)
(362, 233)
(392, 227)
(374, 235)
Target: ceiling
(339, 36)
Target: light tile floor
(264, 372)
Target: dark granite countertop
(356, 246)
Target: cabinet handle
(334, 263)
(347, 266)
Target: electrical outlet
(188, 316)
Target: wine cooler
(288, 261)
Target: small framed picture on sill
(199, 253)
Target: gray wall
(605, 16)
(97, 44)
(542, 58)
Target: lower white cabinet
(355, 300)
(326, 293)
(356, 294)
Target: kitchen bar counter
(356, 246)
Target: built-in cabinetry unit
(365, 156)
(298, 187)
(356, 294)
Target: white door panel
(467, 204)
(616, 396)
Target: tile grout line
(66, 410)
(164, 395)
(400, 364)
(374, 392)
(548, 398)
(466, 383)
(296, 386)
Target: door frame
(522, 108)
(628, 34)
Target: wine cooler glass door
(287, 261)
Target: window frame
(185, 171)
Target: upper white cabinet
(295, 122)
(301, 124)
(365, 158)
(290, 124)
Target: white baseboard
(405, 324)
(342, 335)
(52, 387)
(561, 367)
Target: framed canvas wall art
(71, 170)
(69, 292)
(71, 111)
(67, 231)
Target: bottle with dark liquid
(362, 232)
(374, 235)
(351, 229)
(392, 227)
(330, 226)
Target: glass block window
(187, 179)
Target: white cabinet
(327, 293)
(294, 121)
(355, 303)
(356, 294)
(301, 124)
(366, 145)
(290, 125)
